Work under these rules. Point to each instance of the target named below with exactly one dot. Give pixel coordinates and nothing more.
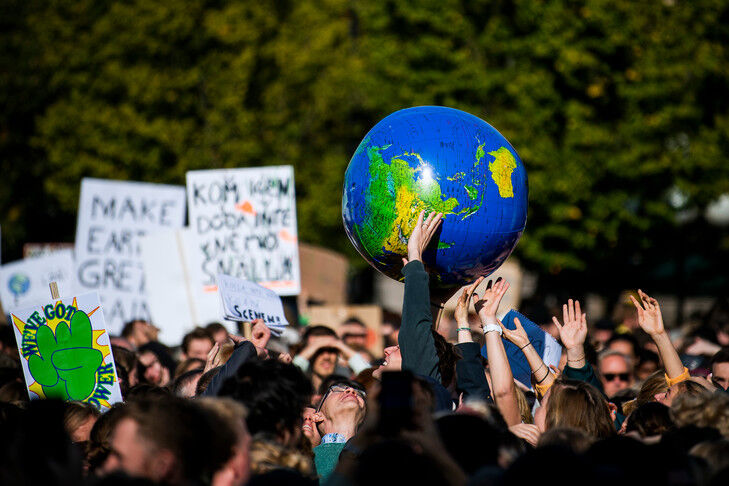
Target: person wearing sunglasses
(616, 372)
(338, 416)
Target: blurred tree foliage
(610, 103)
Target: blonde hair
(524, 410)
(75, 414)
(703, 410)
(652, 386)
(267, 454)
(581, 406)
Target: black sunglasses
(620, 376)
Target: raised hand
(260, 334)
(651, 321)
(421, 235)
(488, 305)
(464, 302)
(67, 362)
(574, 331)
(649, 314)
(517, 336)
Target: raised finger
(419, 223)
(488, 285)
(565, 314)
(571, 309)
(578, 311)
(556, 322)
(636, 303)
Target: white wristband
(492, 327)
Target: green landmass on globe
(386, 227)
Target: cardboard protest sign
(334, 316)
(65, 351)
(246, 301)
(34, 250)
(548, 348)
(112, 216)
(244, 225)
(324, 274)
(25, 282)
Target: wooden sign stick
(54, 291)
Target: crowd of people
(627, 403)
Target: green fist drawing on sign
(67, 363)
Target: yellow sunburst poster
(65, 351)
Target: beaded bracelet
(464, 329)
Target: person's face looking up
(616, 375)
(199, 348)
(325, 362)
(393, 361)
(720, 375)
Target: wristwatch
(492, 327)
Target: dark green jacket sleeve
(470, 377)
(326, 457)
(586, 374)
(417, 345)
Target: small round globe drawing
(437, 159)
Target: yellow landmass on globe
(501, 168)
(406, 204)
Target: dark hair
(721, 356)
(402, 462)
(98, 445)
(214, 327)
(199, 439)
(205, 380)
(472, 441)
(146, 391)
(185, 366)
(448, 356)
(312, 331)
(197, 333)
(646, 356)
(628, 338)
(650, 419)
(568, 437)
(183, 380)
(128, 328)
(354, 320)
(274, 393)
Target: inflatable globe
(436, 159)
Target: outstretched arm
(573, 334)
(543, 376)
(502, 380)
(651, 321)
(417, 345)
(470, 378)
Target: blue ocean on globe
(436, 159)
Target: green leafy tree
(612, 104)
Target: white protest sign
(112, 216)
(244, 225)
(169, 290)
(246, 301)
(65, 351)
(25, 282)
